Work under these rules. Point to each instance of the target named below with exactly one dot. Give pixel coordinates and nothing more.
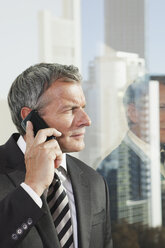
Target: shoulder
(10, 154)
(87, 170)
(10, 143)
(87, 176)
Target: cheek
(64, 125)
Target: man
(161, 80)
(126, 169)
(28, 212)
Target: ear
(132, 113)
(25, 111)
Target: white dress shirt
(65, 180)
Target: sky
(156, 36)
(19, 35)
(155, 32)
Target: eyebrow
(72, 106)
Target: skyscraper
(125, 25)
(60, 37)
(109, 75)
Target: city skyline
(19, 39)
(155, 35)
(124, 25)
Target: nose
(83, 119)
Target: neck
(138, 132)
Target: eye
(71, 109)
(74, 108)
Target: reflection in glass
(132, 169)
(126, 169)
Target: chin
(78, 149)
(73, 148)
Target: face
(137, 118)
(65, 112)
(162, 112)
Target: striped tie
(59, 208)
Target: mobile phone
(37, 121)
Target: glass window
(118, 46)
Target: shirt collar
(22, 145)
(142, 148)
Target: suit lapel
(82, 197)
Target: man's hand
(41, 158)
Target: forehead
(65, 91)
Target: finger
(54, 148)
(58, 160)
(53, 143)
(42, 135)
(55, 155)
(29, 134)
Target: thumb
(29, 137)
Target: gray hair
(136, 91)
(32, 83)
(135, 94)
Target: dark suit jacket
(23, 224)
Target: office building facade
(125, 25)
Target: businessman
(48, 198)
